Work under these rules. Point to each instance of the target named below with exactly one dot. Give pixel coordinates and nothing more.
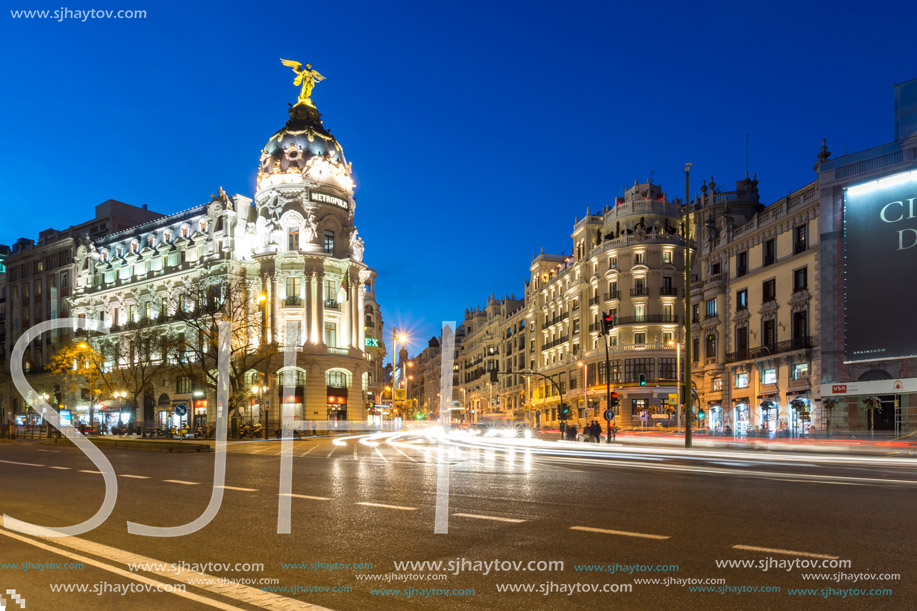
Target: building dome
(302, 147)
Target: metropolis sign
(880, 242)
(324, 198)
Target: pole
(687, 231)
(608, 391)
(678, 382)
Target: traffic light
(564, 411)
(700, 414)
(615, 401)
(642, 379)
(493, 376)
(608, 322)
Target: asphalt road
(372, 502)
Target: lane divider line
(61, 468)
(90, 471)
(752, 548)
(136, 476)
(384, 506)
(494, 518)
(307, 497)
(623, 533)
(182, 482)
(24, 464)
(239, 489)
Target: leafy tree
(81, 369)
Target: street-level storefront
(886, 407)
(741, 417)
(768, 415)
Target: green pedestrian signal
(642, 379)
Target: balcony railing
(798, 343)
(640, 291)
(593, 300)
(331, 304)
(668, 291)
(292, 301)
(646, 318)
(612, 295)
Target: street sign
(181, 409)
(609, 415)
(673, 398)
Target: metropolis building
(298, 259)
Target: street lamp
(585, 388)
(259, 390)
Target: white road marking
(403, 454)
(90, 471)
(623, 533)
(401, 507)
(307, 497)
(241, 593)
(331, 452)
(494, 518)
(136, 476)
(264, 449)
(61, 468)
(178, 481)
(50, 451)
(380, 454)
(769, 550)
(24, 464)
(239, 489)
(307, 451)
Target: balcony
(646, 318)
(612, 295)
(593, 300)
(640, 291)
(331, 304)
(799, 343)
(292, 301)
(669, 291)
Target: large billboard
(880, 241)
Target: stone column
(320, 301)
(357, 311)
(361, 329)
(274, 302)
(346, 338)
(307, 288)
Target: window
(667, 257)
(182, 305)
(639, 312)
(769, 334)
(640, 338)
(770, 251)
(668, 312)
(742, 299)
(38, 288)
(64, 280)
(800, 371)
(329, 242)
(640, 286)
(800, 279)
(710, 307)
(800, 328)
(183, 385)
(331, 334)
(131, 312)
(667, 336)
(667, 287)
(716, 268)
(293, 289)
(742, 380)
(612, 262)
(639, 257)
(741, 340)
(769, 290)
(718, 383)
(695, 348)
(695, 312)
(293, 239)
(146, 310)
(769, 376)
(800, 243)
(39, 266)
(167, 235)
(711, 346)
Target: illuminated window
(667, 256)
(167, 235)
(329, 242)
(639, 257)
(717, 383)
(800, 371)
(742, 380)
(293, 238)
(769, 376)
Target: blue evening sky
(477, 130)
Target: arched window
(135, 246)
(291, 377)
(329, 242)
(185, 231)
(152, 241)
(167, 235)
(203, 226)
(336, 378)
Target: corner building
(297, 249)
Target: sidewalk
(849, 445)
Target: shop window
(742, 380)
(800, 371)
(769, 376)
(717, 383)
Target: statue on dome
(307, 78)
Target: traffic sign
(609, 415)
(181, 409)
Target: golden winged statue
(307, 78)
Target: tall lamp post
(260, 389)
(585, 388)
(677, 380)
(687, 235)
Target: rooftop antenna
(652, 175)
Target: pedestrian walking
(563, 429)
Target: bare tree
(201, 305)
(137, 357)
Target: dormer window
(105, 255)
(152, 241)
(135, 246)
(204, 226)
(167, 235)
(120, 251)
(185, 230)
